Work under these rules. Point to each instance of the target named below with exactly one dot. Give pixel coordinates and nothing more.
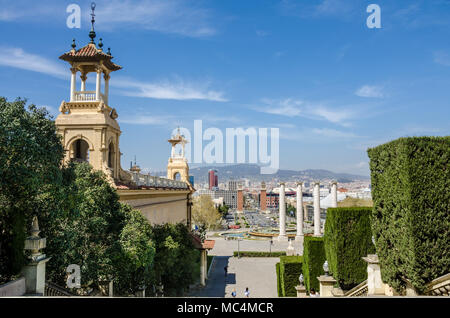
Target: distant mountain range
(252, 172)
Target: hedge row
(313, 259)
(411, 219)
(277, 268)
(348, 238)
(290, 270)
(258, 254)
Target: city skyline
(312, 69)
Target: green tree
(204, 213)
(30, 157)
(90, 235)
(223, 210)
(177, 261)
(135, 264)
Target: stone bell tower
(177, 162)
(87, 123)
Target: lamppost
(270, 247)
(326, 268)
(239, 255)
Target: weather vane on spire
(92, 33)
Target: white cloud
(158, 15)
(370, 91)
(18, 58)
(177, 90)
(175, 16)
(333, 133)
(442, 58)
(297, 108)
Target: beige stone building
(90, 133)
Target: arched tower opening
(80, 150)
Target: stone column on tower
(334, 194)
(73, 80)
(263, 198)
(240, 199)
(299, 212)
(106, 77)
(98, 84)
(83, 78)
(282, 219)
(316, 195)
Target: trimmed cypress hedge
(277, 268)
(411, 213)
(313, 259)
(348, 238)
(258, 254)
(290, 270)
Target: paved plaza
(256, 273)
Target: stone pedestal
(374, 282)
(34, 274)
(326, 285)
(301, 291)
(290, 251)
(34, 271)
(140, 292)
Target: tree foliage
(411, 219)
(313, 259)
(348, 238)
(177, 261)
(30, 156)
(204, 213)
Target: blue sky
(312, 68)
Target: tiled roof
(206, 245)
(90, 53)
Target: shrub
(313, 259)
(277, 268)
(290, 270)
(410, 218)
(348, 237)
(258, 254)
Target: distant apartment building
(213, 179)
(229, 196)
(232, 185)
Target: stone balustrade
(157, 182)
(87, 96)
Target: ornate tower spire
(92, 32)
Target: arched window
(111, 156)
(80, 150)
(177, 176)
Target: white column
(282, 208)
(172, 153)
(316, 208)
(73, 80)
(98, 84)
(83, 82)
(334, 194)
(107, 77)
(299, 211)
